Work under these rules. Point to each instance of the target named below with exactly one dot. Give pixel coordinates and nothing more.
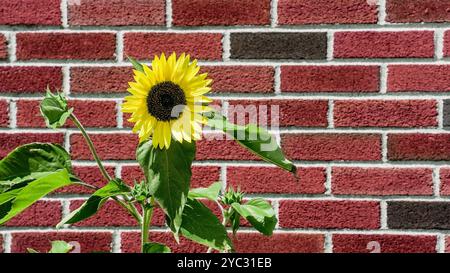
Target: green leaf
(211, 193)
(235, 220)
(256, 139)
(137, 65)
(60, 247)
(259, 213)
(155, 248)
(94, 203)
(202, 226)
(54, 109)
(28, 162)
(30, 250)
(19, 199)
(168, 172)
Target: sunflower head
(168, 100)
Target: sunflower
(167, 100)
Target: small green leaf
(168, 172)
(202, 226)
(54, 109)
(211, 193)
(30, 250)
(256, 139)
(155, 248)
(259, 213)
(235, 220)
(94, 203)
(60, 247)
(15, 201)
(137, 65)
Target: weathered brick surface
(300, 12)
(330, 79)
(279, 243)
(382, 181)
(329, 214)
(385, 243)
(10, 141)
(4, 113)
(418, 215)
(117, 13)
(278, 45)
(374, 44)
(418, 78)
(430, 11)
(3, 47)
(385, 113)
(328, 147)
(61, 46)
(419, 147)
(444, 177)
(100, 79)
(89, 241)
(109, 146)
(38, 78)
(220, 12)
(40, 214)
(207, 46)
(30, 12)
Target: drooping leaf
(28, 162)
(202, 226)
(168, 172)
(155, 248)
(259, 213)
(212, 192)
(94, 203)
(54, 109)
(256, 139)
(60, 247)
(137, 65)
(17, 200)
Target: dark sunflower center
(165, 101)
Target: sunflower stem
(146, 221)
(130, 207)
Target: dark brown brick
(418, 215)
(278, 45)
(447, 113)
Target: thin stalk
(146, 221)
(130, 207)
(224, 222)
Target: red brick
(376, 44)
(301, 113)
(116, 13)
(400, 11)
(131, 242)
(447, 244)
(109, 146)
(30, 12)
(100, 79)
(274, 180)
(221, 147)
(419, 146)
(3, 47)
(327, 147)
(40, 214)
(445, 181)
(362, 243)
(4, 113)
(90, 175)
(10, 141)
(278, 243)
(330, 78)
(220, 12)
(1, 244)
(100, 114)
(447, 44)
(329, 214)
(40, 241)
(382, 181)
(202, 176)
(206, 46)
(37, 79)
(110, 215)
(422, 78)
(61, 46)
(385, 113)
(241, 79)
(299, 12)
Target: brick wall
(363, 92)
